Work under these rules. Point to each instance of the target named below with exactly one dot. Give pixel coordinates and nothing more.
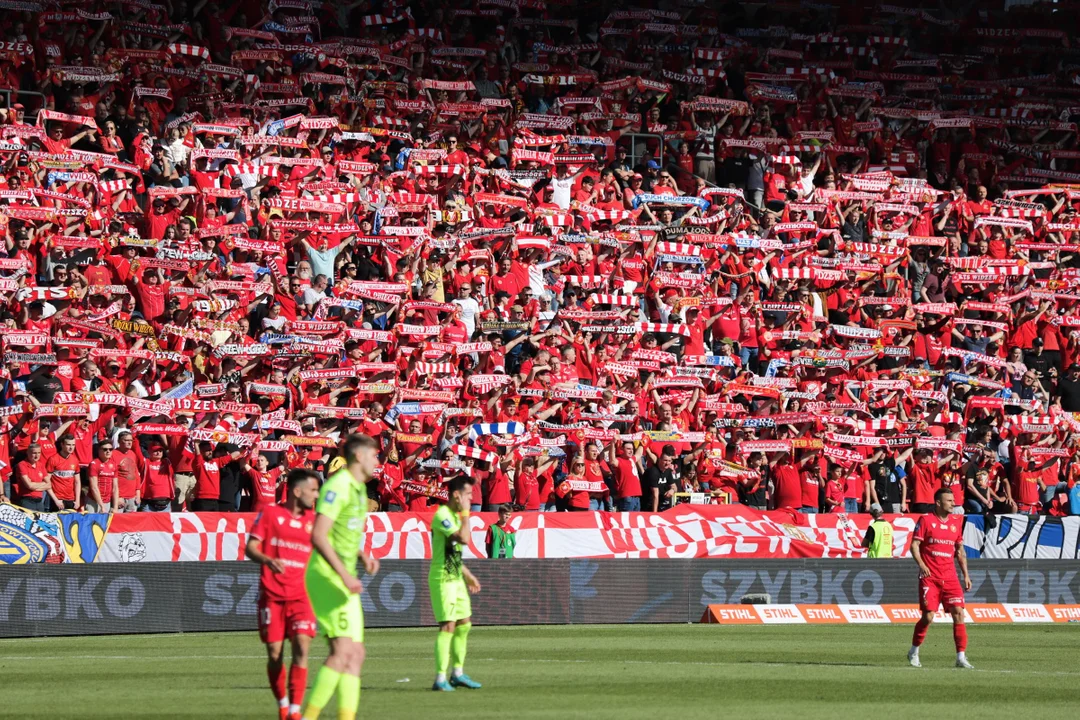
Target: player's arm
(253, 551)
(924, 571)
(961, 557)
(867, 538)
(320, 540)
(470, 580)
(371, 564)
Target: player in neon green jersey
(450, 583)
(332, 584)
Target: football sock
(458, 646)
(297, 687)
(920, 633)
(326, 683)
(442, 652)
(348, 696)
(959, 633)
(275, 671)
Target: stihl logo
(768, 613)
(1023, 612)
(1072, 613)
(901, 614)
(822, 614)
(867, 614)
(736, 615)
(988, 614)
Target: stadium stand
(810, 255)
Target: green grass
(596, 672)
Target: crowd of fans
(594, 256)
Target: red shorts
(938, 592)
(280, 619)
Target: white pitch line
(377, 658)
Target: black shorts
(922, 508)
(204, 505)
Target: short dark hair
(355, 443)
(298, 477)
(458, 482)
(942, 492)
(506, 507)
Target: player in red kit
(280, 541)
(938, 539)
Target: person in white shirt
(469, 308)
(563, 186)
(806, 179)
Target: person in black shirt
(753, 489)
(232, 475)
(659, 482)
(734, 170)
(1038, 360)
(890, 489)
(855, 227)
(1069, 389)
(43, 384)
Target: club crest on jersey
(330, 496)
(447, 524)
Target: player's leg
(960, 638)
(331, 603)
(954, 605)
(444, 641)
(349, 686)
(929, 601)
(302, 631)
(352, 656)
(275, 672)
(272, 630)
(459, 643)
(442, 607)
(337, 676)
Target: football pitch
(596, 672)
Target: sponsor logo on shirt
(330, 496)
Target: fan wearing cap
(13, 115)
(158, 480)
(632, 191)
(162, 215)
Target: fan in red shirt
(265, 482)
(280, 541)
(63, 471)
(924, 483)
(1028, 487)
(938, 538)
(158, 481)
(104, 488)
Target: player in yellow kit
(450, 583)
(332, 584)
